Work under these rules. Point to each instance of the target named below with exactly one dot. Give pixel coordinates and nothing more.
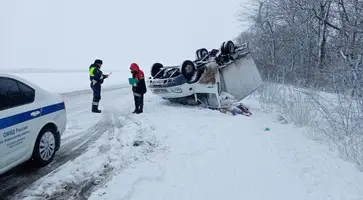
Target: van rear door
(241, 77)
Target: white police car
(32, 121)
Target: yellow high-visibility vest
(91, 71)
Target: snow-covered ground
(178, 152)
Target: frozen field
(72, 81)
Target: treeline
(309, 43)
(316, 44)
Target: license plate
(160, 90)
(158, 81)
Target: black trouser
(96, 95)
(139, 102)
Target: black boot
(95, 109)
(141, 108)
(140, 105)
(136, 108)
(136, 99)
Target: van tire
(188, 70)
(47, 134)
(155, 69)
(200, 53)
(229, 47)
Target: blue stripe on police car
(26, 116)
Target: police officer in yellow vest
(96, 77)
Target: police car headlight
(177, 90)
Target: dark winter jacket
(96, 75)
(138, 74)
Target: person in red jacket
(139, 88)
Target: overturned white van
(230, 70)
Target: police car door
(18, 116)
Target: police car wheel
(45, 147)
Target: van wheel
(45, 147)
(201, 53)
(222, 49)
(155, 69)
(188, 70)
(229, 47)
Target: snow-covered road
(83, 129)
(178, 152)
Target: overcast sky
(70, 34)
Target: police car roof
(16, 77)
(27, 82)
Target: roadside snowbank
(113, 151)
(335, 120)
(216, 156)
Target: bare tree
(316, 44)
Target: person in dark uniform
(96, 77)
(139, 88)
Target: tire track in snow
(19, 178)
(115, 151)
(26, 174)
(83, 191)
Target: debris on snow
(227, 99)
(141, 142)
(229, 105)
(282, 119)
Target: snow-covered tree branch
(314, 44)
